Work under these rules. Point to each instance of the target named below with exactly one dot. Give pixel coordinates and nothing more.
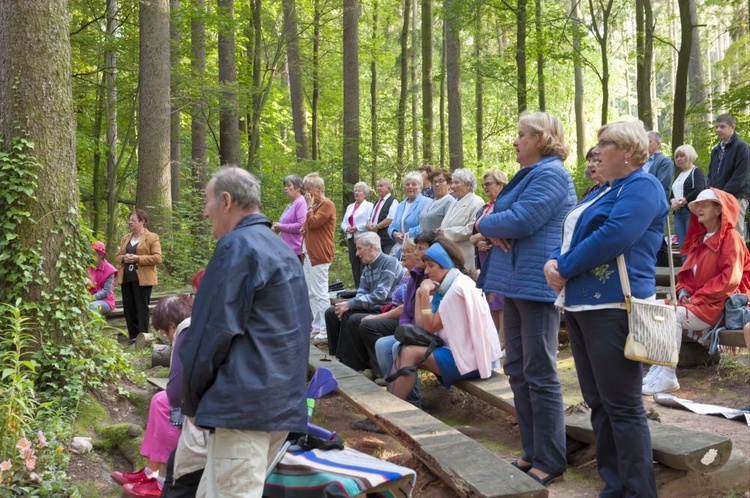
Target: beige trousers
(237, 463)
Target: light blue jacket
(530, 215)
(411, 225)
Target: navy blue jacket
(732, 177)
(530, 214)
(628, 219)
(246, 355)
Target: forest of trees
(164, 91)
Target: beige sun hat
(706, 195)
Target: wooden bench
(465, 465)
(674, 447)
(733, 338)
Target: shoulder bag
(652, 325)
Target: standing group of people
(537, 251)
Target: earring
(626, 159)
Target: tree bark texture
(198, 108)
(256, 39)
(350, 155)
(404, 60)
(315, 81)
(229, 124)
(539, 54)
(575, 15)
(96, 177)
(294, 69)
(644, 57)
(453, 68)
(681, 76)
(478, 88)
(374, 145)
(36, 103)
(697, 89)
(175, 38)
(521, 55)
(154, 189)
(413, 87)
(427, 125)
(110, 82)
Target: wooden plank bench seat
(467, 466)
(733, 338)
(673, 447)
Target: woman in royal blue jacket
(524, 228)
(624, 217)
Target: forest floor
(726, 384)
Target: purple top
(410, 298)
(291, 221)
(174, 384)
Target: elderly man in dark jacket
(246, 356)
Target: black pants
(368, 334)
(135, 299)
(354, 261)
(184, 487)
(337, 329)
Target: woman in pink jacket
(102, 284)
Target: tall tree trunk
(600, 30)
(539, 53)
(413, 87)
(229, 124)
(175, 36)
(427, 128)
(681, 76)
(110, 82)
(154, 183)
(575, 14)
(315, 82)
(198, 153)
(36, 104)
(294, 68)
(644, 49)
(404, 60)
(253, 162)
(96, 177)
(443, 46)
(350, 156)
(453, 67)
(374, 145)
(478, 89)
(698, 114)
(521, 55)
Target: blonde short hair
(688, 151)
(496, 175)
(627, 134)
(550, 131)
(315, 180)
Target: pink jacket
(99, 275)
(468, 330)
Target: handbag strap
(414, 369)
(625, 281)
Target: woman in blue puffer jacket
(524, 229)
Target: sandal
(545, 480)
(523, 468)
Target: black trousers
(184, 487)
(354, 261)
(368, 334)
(338, 330)
(135, 299)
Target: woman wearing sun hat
(717, 264)
(102, 284)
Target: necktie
(376, 210)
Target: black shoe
(367, 425)
(381, 382)
(523, 468)
(545, 480)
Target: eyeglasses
(604, 143)
(440, 181)
(488, 184)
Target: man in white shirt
(382, 215)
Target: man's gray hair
(655, 136)
(243, 187)
(370, 239)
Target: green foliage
(18, 401)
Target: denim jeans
(386, 349)
(531, 330)
(681, 218)
(611, 385)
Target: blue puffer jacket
(529, 214)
